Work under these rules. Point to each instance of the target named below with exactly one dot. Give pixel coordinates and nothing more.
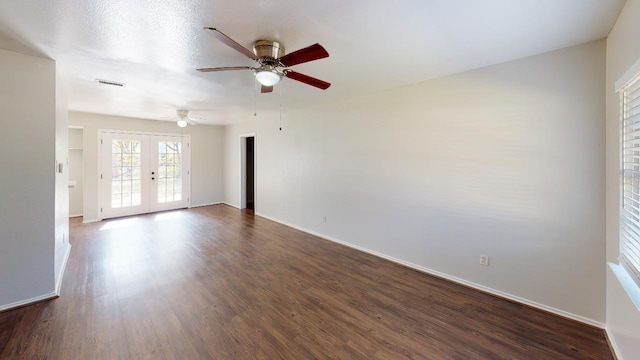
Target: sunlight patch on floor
(168, 216)
(116, 224)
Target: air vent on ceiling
(111, 83)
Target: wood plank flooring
(218, 283)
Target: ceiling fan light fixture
(182, 123)
(268, 77)
(271, 58)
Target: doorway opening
(76, 171)
(248, 172)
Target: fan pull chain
(280, 105)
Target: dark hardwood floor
(218, 283)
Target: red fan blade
(313, 52)
(225, 68)
(307, 79)
(230, 42)
(266, 89)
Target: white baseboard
(62, 269)
(86, 221)
(237, 207)
(21, 303)
(612, 343)
(454, 279)
(77, 215)
(201, 205)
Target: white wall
(206, 155)
(623, 50)
(506, 161)
(27, 148)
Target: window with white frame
(630, 177)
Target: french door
(143, 173)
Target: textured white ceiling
(154, 46)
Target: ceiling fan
(270, 57)
(183, 119)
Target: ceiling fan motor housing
(268, 51)
(182, 114)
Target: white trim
(88, 221)
(242, 195)
(612, 343)
(628, 76)
(243, 170)
(133, 132)
(62, 269)
(99, 180)
(454, 279)
(237, 207)
(21, 303)
(78, 215)
(201, 205)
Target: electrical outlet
(484, 260)
(324, 219)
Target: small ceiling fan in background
(183, 119)
(271, 57)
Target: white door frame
(84, 182)
(187, 138)
(243, 170)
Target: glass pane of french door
(170, 159)
(126, 173)
(169, 173)
(125, 184)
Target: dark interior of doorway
(250, 174)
